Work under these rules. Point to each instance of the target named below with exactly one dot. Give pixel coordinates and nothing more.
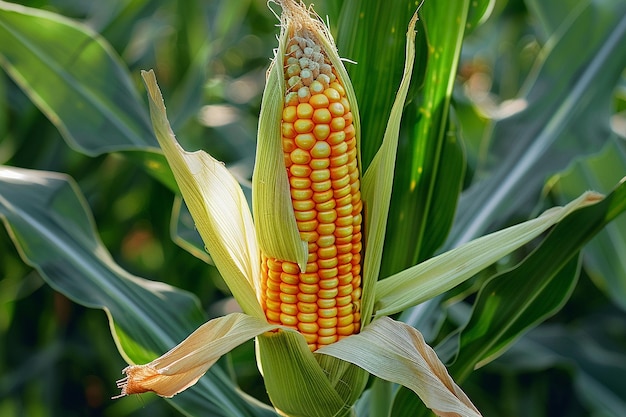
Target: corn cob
(320, 153)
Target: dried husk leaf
(217, 205)
(397, 352)
(182, 366)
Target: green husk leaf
(217, 205)
(296, 384)
(182, 366)
(397, 352)
(271, 199)
(441, 273)
(378, 182)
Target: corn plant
(384, 232)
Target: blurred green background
(57, 358)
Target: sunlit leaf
(562, 112)
(49, 222)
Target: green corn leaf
(76, 79)
(514, 301)
(378, 180)
(51, 226)
(603, 256)
(562, 112)
(441, 273)
(430, 164)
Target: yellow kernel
(288, 278)
(290, 309)
(274, 265)
(344, 258)
(338, 172)
(338, 123)
(321, 149)
(304, 216)
(301, 194)
(326, 240)
(337, 138)
(320, 175)
(329, 302)
(330, 283)
(309, 278)
(305, 110)
(337, 149)
(345, 290)
(327, 216)
(346, 104)
(305, 141)
(300, 156)
(298, 170)
(336, 109)
(344, 248)
(289, 299)
(310, 297)
(273, 295)
(288, 145)
(327, 322)
(318, 101)
(303, 205)
(346, 330)
(345, 200)
(327, 312)
(327, 263)
(335, 161)
(337, 86)
(350, 132)
(327, 293)
(326, 228)
(309, 236)
(333, 95)
(345, 310)
(344, 210)
(327, 253)
(288, 288)
(288, 130)
(312, 257)
(356, 294)
(341, 182)
(307, 226)
(273, 305)
(303, 125)
(288, 320)
(272, 316)
(307, 307)
(300, 183)
(327, 277)
(344, 221)
(322, 116)
(349, 119)
(325, 206)
(290, 114)
(321, 131)
(308, 326)
(321, 186)
(307, 318)
(344, 301)
(317, 163)
(308, 288)
(342, 192)
(322, 196)
(327, 331)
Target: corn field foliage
(514, 107)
